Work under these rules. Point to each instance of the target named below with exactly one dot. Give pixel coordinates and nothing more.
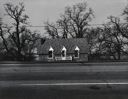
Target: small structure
(72, 49)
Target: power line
(45, 26)
(39, 26)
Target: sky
(40, 11)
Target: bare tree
(63, 24)
(2, 35)
(125, 27)
(79, 16)
(16, 38)
(51, 30)
(95, 38)
(16, 13)
(113, 40)
(73, 23)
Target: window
(63, 52)
(76, 52)
(50, 53)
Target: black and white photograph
(63, 49)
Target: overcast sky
(40, 11)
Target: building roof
(57, 44)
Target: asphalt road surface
(64, 81)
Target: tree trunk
(119, 55)
(19, 56)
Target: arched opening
(50, 53)
(63, 52)
(76, 52)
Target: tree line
(109, 40)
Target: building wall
(82, 57)
(44, 58)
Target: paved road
(63, 71)
(64, 81)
